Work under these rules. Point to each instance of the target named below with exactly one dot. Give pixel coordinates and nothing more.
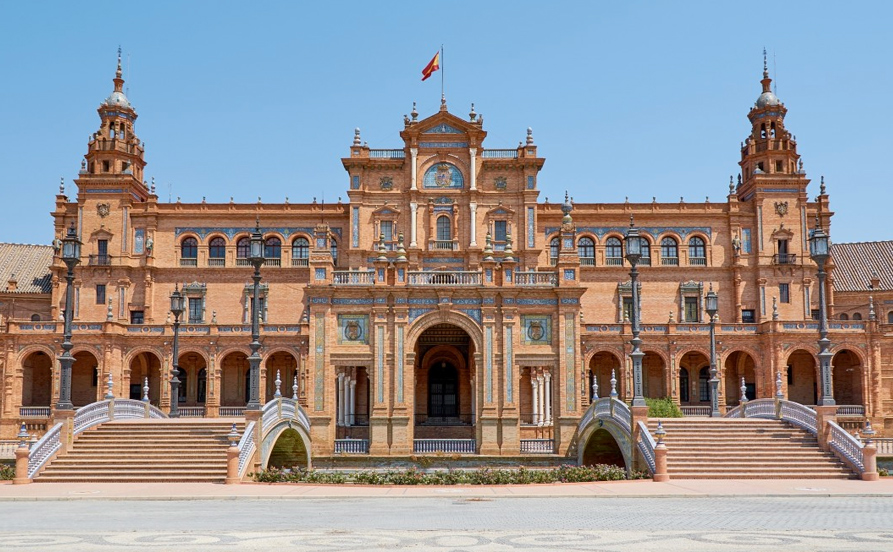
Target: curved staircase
(151, 450)
(750, 448)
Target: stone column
(472, 167)
(352, 401)
(474, 223)
(547, 389)
(535, 393)
(339, 417)
(414, 153)
(413, 220)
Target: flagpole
(442, 96)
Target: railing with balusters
(351, 446)
(300, 262)
(850, 410)
(442, 245)
(884, 446)
(695, 411)
(846, 446)
(191, 411)
(44, 449)
(282, 408)
(387, 154)
(442, 277)
(216, 261)
(446, 446)
(247, 447)
(231, 411)
(533, 278)
(8, 449)
(499, 154)
(35, 411)
(646, 446)
(537, 446)
(353, 277)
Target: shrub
(7, 472)
(663, 408)
(883, 472)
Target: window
(554, 247)
(697, 252)
(243, 248)
(745, 240)
(443, 392)
(845, 316)
(500, 230)
(586, 250)
(444, 230)
(196, 305)
(102, 248)
(857, 316)
(692, 309)
(202, 387)
(613, 252)
(334, 250)
(890, 317)
(783, 256)
(189, 248)
(272, 248)
(354, 182)
(137, 317)
(100, 294)
(181, 375)
(217, 248)
(784, 293)
(387, 229)
(627, 309)
(669, 252)
(815, 314)
(684, 385)
(35, 318)
(748, 316)
(646, 252)
(703, 385)
(300, 252)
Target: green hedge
(481, 476)
(663, 408)
(7, 472)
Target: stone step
(129, 479)
(777, 475)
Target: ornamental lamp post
(177, 307)
(71, 256)
(633, 245)
(712, 306)
(819, 251)
(256, 258)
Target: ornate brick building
(444, 299)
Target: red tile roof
(30, 264)
(855, 264)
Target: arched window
(334, 250)
(697, 252)
(300, 252)
(35, 318)
(201, 390)
(684, 385)
(669, 252)
(703, 385)
(890, 317)
(189, 248)
(613, 252)
(216, 251)
(857, 316)
(586, 250)
(845, 316)
(181, 375)
(554, 247)
(243, 248)
(272, 248)
(444, 230)
(646, 252)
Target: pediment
(443, 128)
(500, 211)
(386, 211)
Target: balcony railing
(500, 154)
(850, 410)
(669, 261)
(34, 411)
(645, 261)
(447, 446)
(191, 411)
(300, 262)
(217, 262)
(695, 411)
(188, 261)
(537, 446)
(441, 278)
(99, 260)
(351, 446)
(232, 411)
(532, 279)
(587, 261)
(784, 258)
(353, 277)
(242, 262)
(387, 154)
(442, 245)
(273, 262)
(697, 261)
(614, 261)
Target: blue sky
(637, 99)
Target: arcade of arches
(444, 384)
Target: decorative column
(472, 152)
(339, 416)
(413, 218)
(535, 393)
(819, 251)
(352, 400)
(541, 400)
(474, 221)
(547, 390)
(413, 153)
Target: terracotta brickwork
(445, 288)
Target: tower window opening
(105, 166)
(779, 166)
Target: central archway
(444, 374)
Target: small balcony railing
(850, 410)
(645, 261)
(273, 262)
(446, 446)
(217, 262)
(695, 411)
(353, 277)
(669, 261)
(535, 279)
(697, 261)
(99, 260)
(34, 412)
(784, 258)
(614, 261)
(351, 446)
(191, 411)
(537, 446)
(232, 411)
(300, 262)
(387, 154)
(500, 154)
(587, 261)
(442, 245)
(243, 262)
(185, 261)
(441, 278)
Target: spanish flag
(434, 65)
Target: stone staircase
(131, 451)
(722, 448)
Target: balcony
(614, 261)
(99, 260)
(537, 446)
(441, 278)
(536, 279)
(242, 262)
(387, 154)
(446, 446)
(784, 258)
(300, 262)
(34, 411)
(351, 446)
(188, 262)
(587, 261)
(273, 262)
(218, 262)
(500, 154)
(443, 245)
(353, 277)
(697, 261)
(231, 411)
(669, 261)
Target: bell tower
(115, 155)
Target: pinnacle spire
(765, 64)
(118, 80)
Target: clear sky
(636, 99)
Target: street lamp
(712, 306)
(71, 256)
(633, 253)
(177, 308)
(256, 258)
(819, 250)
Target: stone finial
(594, 387)
(529, 136)
(233, 436)
(731, 185)
(660, 432)
(471, 114)
(382, 249)
(822, 189)
(868, 432)
(152, 187)
(145, 390)
(774, 308)
(739, 180)
(871, 314)
(213, 317)
(414, 113)
(779, 394)
(488, 247)
(23, 435)
(357, 141)
(294, 388)
(672, 319)
(109, 394)
(613, 385)
(401, 249)
(108, 312)
(278, 382)
(743, 391)
(801, 166)
(509, 254)
(62, 186)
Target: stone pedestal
(824, 414)
(232, 466)
(378, 436)
(489, 432)
(21, 476)
(869, 462)
(401, 435)
(511, 436)
(660, 464)
(66, 418)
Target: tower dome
(117, 98)
(767, 98)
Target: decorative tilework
(442, 260)
(537, 301)
(531, 232)
(319, 388)
(443, 175)
(423, 301)
(508, 300)
(319, 300)
(654, 328)
(473, 313)
(653, 231)
(443, 144)
(353, 329)
(488, 362)
(800, 326)
(443, 128)
(603, 328)
(379, 340)
(489, 301)
(400, 362)
(139, 238)
(320, 274)
(739, 328)
(536, 329)
(569, 341)
(531, 182)
(570, 274)
(570, 301)
(381, 300)
(143, 329)
(400, 301)
(415, 313)
(509, 363)
(355, 227)
(466, 301)
(351, 301)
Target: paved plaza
(682, 515)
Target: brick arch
(852, 348)
(446, 158)
(230, 350)
(31, 349)
(809, 348)
(213, 235)
(133, 353)
(458, 319)
(681, 352)
(724, 356)
(588, 355)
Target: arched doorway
(602, 448)
(694, 378)
(444, 404)
(37, 380)
(600, 367)
(289, 451)
(654, 382)
(191, 365)
(287, 366)
(847, 377)
(145, 365)
(740, 365)
(84, 379)
(802, 386)
(233, 387)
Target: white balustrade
(537, 446)
(846, 446)
(351, 446)
(232, 411)
(191, 411)
(646, 446)
(353, 277)
(884, 446)
(447, 446)
(695, 411)
(246, 448)
(34, 411)
(441, 278)
(8, 449)
(387, 154)
(44, 449)
(533, 278)
(850, 410)
(91, 415)
(499, 154)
